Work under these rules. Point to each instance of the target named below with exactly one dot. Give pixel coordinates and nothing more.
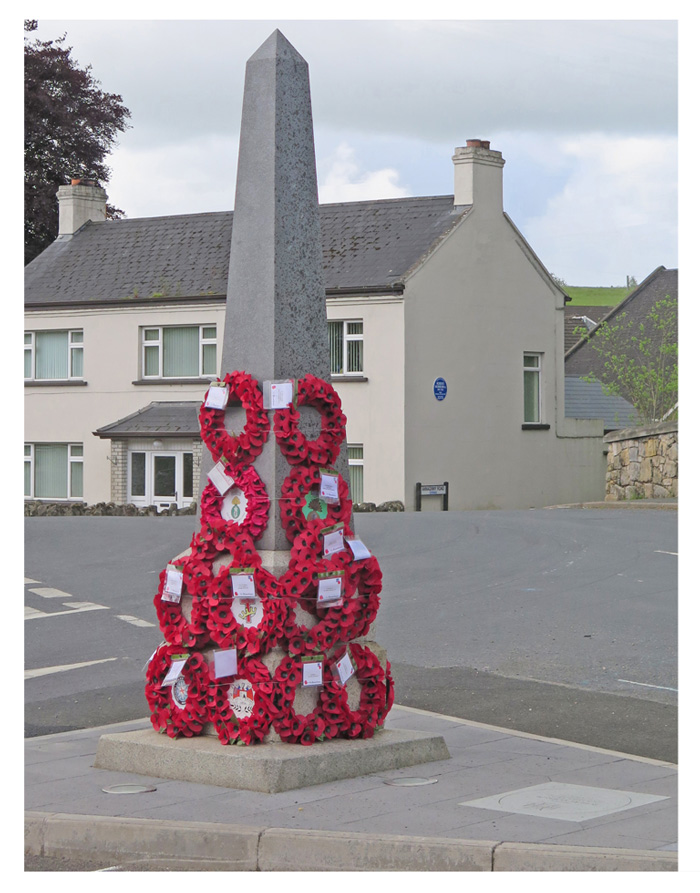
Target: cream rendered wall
(375, 408)
(471, 311)
(111, 362)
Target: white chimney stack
(479, 176)
(83, 200)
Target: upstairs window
(532, 386)
(178, 351)
(345, 338)
(53, 355)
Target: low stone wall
(51, 509)
(642, 463)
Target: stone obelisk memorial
(268, 616)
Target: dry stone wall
(642, 463)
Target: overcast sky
(584, 112)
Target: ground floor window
(160, 476)
(53, 470)
(356, 470)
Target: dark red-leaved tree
(70, 126)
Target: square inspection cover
(569, 802)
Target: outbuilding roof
(160, 418)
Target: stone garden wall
(642, 463)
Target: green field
(598, 296)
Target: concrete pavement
(504, 801)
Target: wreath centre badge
(234, 506)
(179, 691)
(247, 610)
(314, 507)
(241, 697)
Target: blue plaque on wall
(440, 388)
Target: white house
(446, 336)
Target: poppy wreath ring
(300, 505)
(253, 683)
(247, 445)
(306, 728)
(176, 627)
(257, 504)
(374, 700)
(294, 445)
(181, 708)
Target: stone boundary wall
(35, 508)
(642, 463)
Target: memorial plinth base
(268, 768)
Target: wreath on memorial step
(183, 707)
(301, 503)
(247, 445)
(220, 512)
(250, 625)
(324, 721)
(294, 445)
(242, 708)
(372, 709)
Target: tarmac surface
(504, 801)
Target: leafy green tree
(70, 126)
(640, 359)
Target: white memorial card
(329, 487)
(333, 540)
(358, 548)
(172, 591)
(278, 394)
(225, 663)
(217, 396)
(345, 668)
(220, 479)
(330, 588)
(243, 583)
(178, 662)
(312, 672)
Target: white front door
(160, 478)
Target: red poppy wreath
(301, 502)
(295, 446)
(244, 508)
(184, 627)
(180, 708)
(322, 723)
(362, 722)
(244, 447)
(242, 708)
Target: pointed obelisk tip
(275, 46)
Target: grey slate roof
(586, 400)
(365, 245)
(573, 320)
(161, 418)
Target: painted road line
(134, 621)
(29, 580)
(32, 612)
(664, 552)
(76, 608)
(48, 671)
(648, 685)
(48, 592)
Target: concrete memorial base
(267, 768)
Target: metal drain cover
(128, 789)
(409, 782)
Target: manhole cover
(128, 789)
(409, 782)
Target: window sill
(535, 426)
(167, 381)
(55, 383)
(345, 378)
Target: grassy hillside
(595, 296)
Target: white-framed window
(345, 339)
(53, 355)
(356, 470)
(53, 470)
(178, 351)
(532, 388)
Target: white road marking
(648, 685)
(663, 552)
(48, 592)
(76, 608)
(32, 612)
(29, 580)
(47, 671)
(134, 621)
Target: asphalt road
(558, 622)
